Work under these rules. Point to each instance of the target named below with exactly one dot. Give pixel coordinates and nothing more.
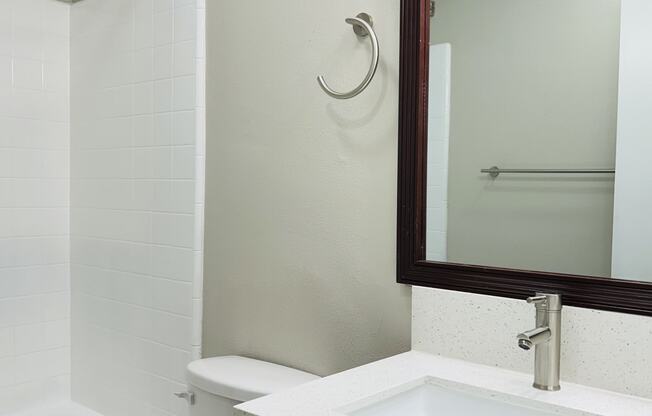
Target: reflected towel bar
(495, 171)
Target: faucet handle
(551, 302)
(537, 300)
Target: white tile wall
(34, 208)
(137, 202)
(438, 139)
(632, 202)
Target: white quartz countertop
(324, 397)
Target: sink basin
(434, 397)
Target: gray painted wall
(534, 84)
(301, 188)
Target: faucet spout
(533, 337)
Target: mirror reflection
(537, 136)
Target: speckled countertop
(327, 396)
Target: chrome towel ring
(363, 27)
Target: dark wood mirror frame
(581, 291)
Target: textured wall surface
(301, 188)
(136, 202)
(34, 203)
(600, 349)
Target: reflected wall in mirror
(541, 86)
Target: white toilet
(217, 384)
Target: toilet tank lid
(242, 379)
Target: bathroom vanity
(420, 384)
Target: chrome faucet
(546, 339)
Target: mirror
(539, 135)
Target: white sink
(434, 397)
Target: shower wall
(136, 202)
(34, 208)
(632, 202)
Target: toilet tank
(217, 384)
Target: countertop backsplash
(600, 349)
